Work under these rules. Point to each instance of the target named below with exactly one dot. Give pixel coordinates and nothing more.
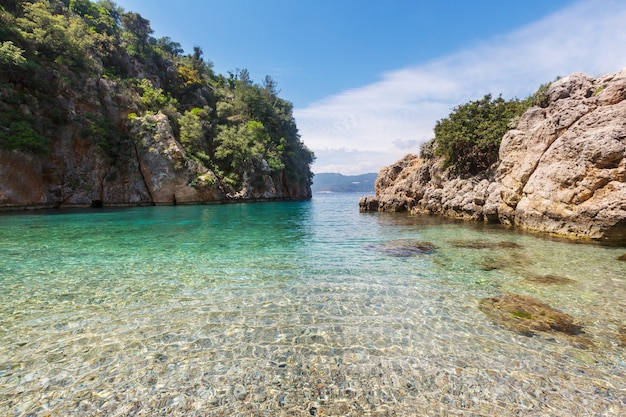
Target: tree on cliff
(53, 53)
(469, 138)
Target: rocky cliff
(152, 169)
(561, 170)
(95, 111)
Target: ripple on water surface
(298, 308)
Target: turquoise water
(295, 308)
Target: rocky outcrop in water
(561, 170)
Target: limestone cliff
(561, 170)
(154, 169)
(95, 111)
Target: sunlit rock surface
(562, 170)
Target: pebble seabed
(375, 351)
(322, 323)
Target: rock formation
(155, 169)
(96, 112)
(561, 170)
(402, 248)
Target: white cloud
(406, 143)
(364, 129)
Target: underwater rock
(548, 279)
(402, 248)
(529, 316)
(622, 258)
(622, 337)
(481, 244)
(492, 264)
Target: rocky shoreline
(561, 170)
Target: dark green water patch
(549, 279)
(530, 317)
(403, 248)
(481, 244)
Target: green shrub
(598, 90)
(540, 98)
(11, 54)
(153, 98)
(191, 129)
(469, 138)
(427, 150)
(23, 137)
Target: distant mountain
(338, 183)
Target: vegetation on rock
(97, 68)
(558, 169)
(468, 139)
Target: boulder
(530, 317)
(170, 176)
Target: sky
(369, 79)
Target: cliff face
(562, 170)
(153, 169)
(95, 111)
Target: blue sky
(369, 79)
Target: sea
(300, 308)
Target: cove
(305, 308)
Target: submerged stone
(481, 244)
(402, 248)
(622, 258)
(549, 279)
(621, 336)
(529, 317)
(492, 264)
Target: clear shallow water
(285, 309)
